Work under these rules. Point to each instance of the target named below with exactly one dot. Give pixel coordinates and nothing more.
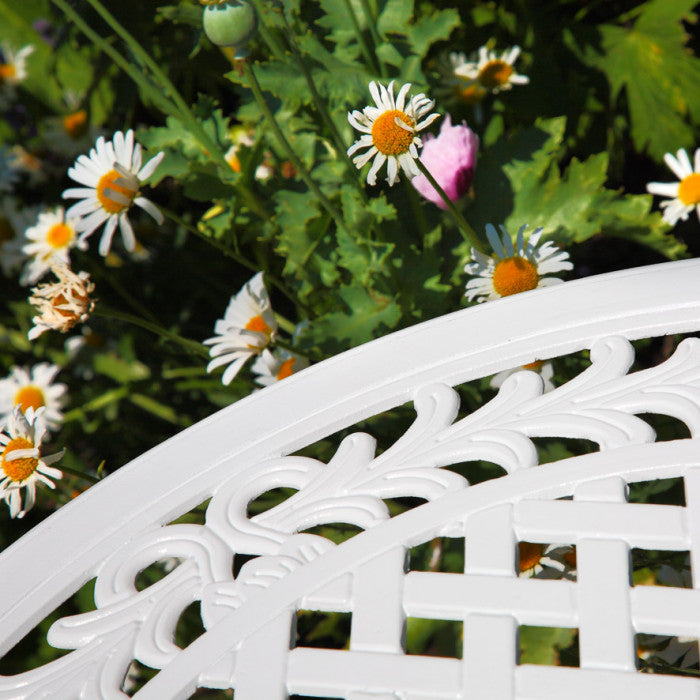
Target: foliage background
(613, 86)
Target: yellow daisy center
(534, 366)
(513, 275)
(233, 161)
(286, 369)
(495, 73)
(108, 182)
(75, 124)
(59, 235)
(529, 555)
(19, 469)
(7, 233)
(689, 189)
(390, 138)
(257, 323)
(471, 94)
(7, 72)
(29, 397)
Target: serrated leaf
(647, 57)
(435, 27)
(395, 17)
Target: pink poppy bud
(451, 159)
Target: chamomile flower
(34, 389)
(248, 326)
(270, 368)
(544, 369)
(489, 71)
(13, 66)
(389, 131)
(22, 465)
(513, 269)
(49, 242)
(63, 304)
(112, 175)
(685, 194)
(550, 561)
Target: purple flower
(451, 159)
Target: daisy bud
(63, 304)
(229, 23)
(451, 159)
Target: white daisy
(544, 369)
(13, 67)
(112, 175)
(247, 327)
(511, 270)
(50, 240)
(271, 368)
(22, 465)
(491, 71)
(35, 389)
(390, 131)
(685, 193)
(63, 304)
(550, 561)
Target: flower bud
(229, 23)
(451, 159)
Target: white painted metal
(119, 527)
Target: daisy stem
(104, 46)
(465, 229)
(284, 323)
(372, 24)
(301, 168)
(191, 345)
(370, 57)
(318, 102)
(80, 474)
(182, 109)
(226, 250)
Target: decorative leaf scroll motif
(600, 405)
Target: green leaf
(541, 645)
(395, 17)
(436, 27)
(646, 55)
(369, 315)
(120, 370)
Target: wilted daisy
(247, 327)
(13, 66)
(35, 389)
(686, 193)
(112, 175)
(50, 240)
(270, 368)
(513, 269)
(21, 462)
(544, 369)
(390, 131)
(490, 71)
(63, 304)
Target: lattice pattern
(250, 619)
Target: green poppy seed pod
(229, 23)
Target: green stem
(82, 475)
(191, 345)
(226, 250)
(291, 154)
(318, 102)
(181, 108)
(285, 324)
(372, 24)
(104, 46)
(370, 56)
(465, 229)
